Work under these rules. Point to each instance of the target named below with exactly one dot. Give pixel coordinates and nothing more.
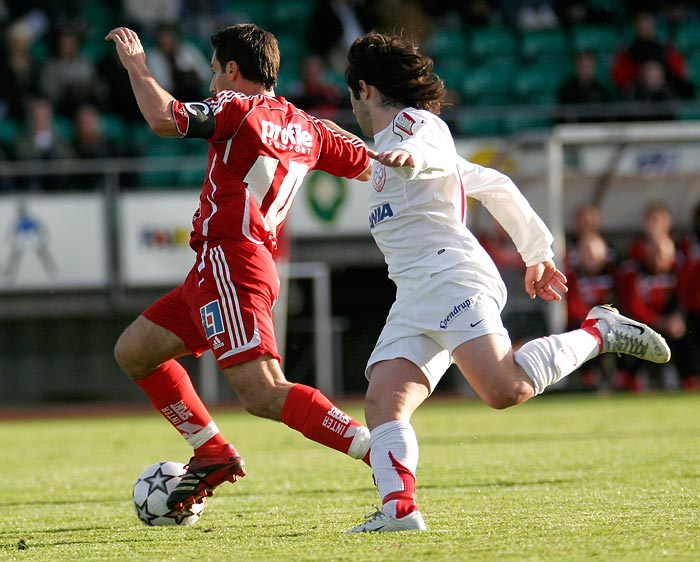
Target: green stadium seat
(293, 49)
(290, 15)
(687, 37)
(614, 7)
(544, 44)
(446, 45)
(452, 72)
(159, 147)
(519, 121)
(65, 126)
(488, 84)
(115, 129)
(486, 44)
(473, 125)
(246, 11)
(9, 130)
(693, 66)
(597, 38)
(689, 113)
(538, 83)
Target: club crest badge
(378, 177)
(404, 122)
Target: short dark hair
(393, 65)
(253, 49)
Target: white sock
(548, 360)
(397, 440)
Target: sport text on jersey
(379, 213)
(291, 137)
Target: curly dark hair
(253, 49)
(393, 65)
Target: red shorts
(225, 304)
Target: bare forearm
(154, 102)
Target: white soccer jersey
(449, 291)
(420, 225)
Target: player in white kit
(449, 292)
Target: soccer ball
(152, 489)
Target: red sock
(590, 327)
(308, 411)
(170, 390)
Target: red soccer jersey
(260, 151)
(586, 291)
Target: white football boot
(624, 335)
(383, 522)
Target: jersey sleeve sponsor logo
(380, 213)
(289, 137)
(404, 122)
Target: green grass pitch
(561, 478)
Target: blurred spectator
(41, 141)
(90, 142)
(645, 46)
(653, 92)
(576, 12)
(179, 66)
(690, 243)
(200, 18)
(314, 93)
(587, 221)
(591, 281)
(145, 16)
(49, 9)
(69, 78)
(651, 296)
(116, 95)
(689, 294)
(581, 90)
(529, 14)
(658, 224)
(20, 71)
(406, 15)
(472, 13)
(334, 25)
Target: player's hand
(392, 158)
(544, 280)
(128, 45)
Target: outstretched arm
(364, 176)
(510, 208)
(154, 102)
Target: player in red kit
(260, 149)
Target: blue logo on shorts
(456, 311)
(211, 319)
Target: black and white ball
(152, 489)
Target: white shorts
(428, 322)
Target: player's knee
(126, 359)
(121, 354)
(507, 396)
